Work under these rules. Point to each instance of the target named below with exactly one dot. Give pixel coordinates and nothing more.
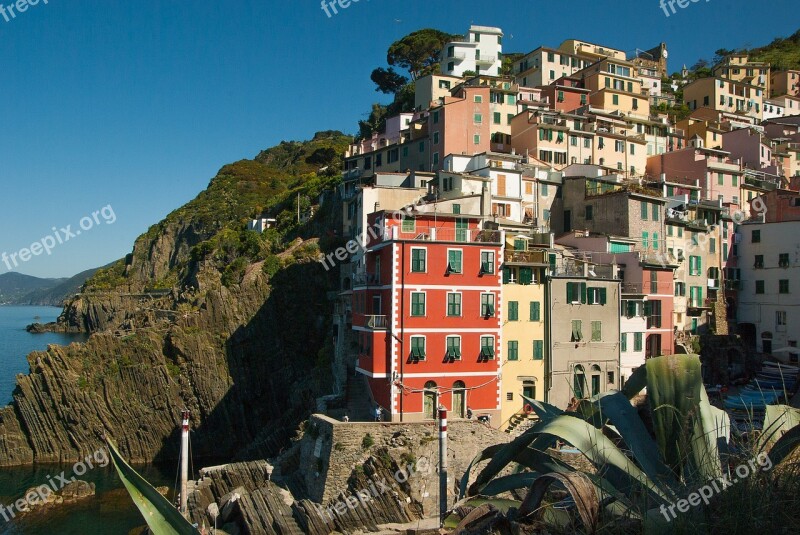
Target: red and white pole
(185, 463)
(442, 464)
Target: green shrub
(272, 265)
(367, 442)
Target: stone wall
(335, 450)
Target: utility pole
(442, 464)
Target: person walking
(378, 413)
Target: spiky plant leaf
(580, 487)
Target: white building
(769, 257)
(480, 51)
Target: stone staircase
(519, 423)
(358, 403)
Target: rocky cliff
(204, 315)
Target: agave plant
(636, 475)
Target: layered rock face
(243, 360)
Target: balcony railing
(636, 288)
(485, 60)
(378, 323)
(494, 237)
(527, 257)
(361, 279)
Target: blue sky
(138, 104)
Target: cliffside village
(541, 234)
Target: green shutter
(583, 292)
(623, 341)
(590, 296)
(506, 275)
(525, 275)
(538, 349)
(631, 309)
(513, 311)
(603, 293)
(647, 309)
(535, 311)
(570, 298)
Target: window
(417, 304)
(633, 151)
(623, 342)
(780, 320)
(597, 331)
(695, 265)
(454, 260)
(720, 179)
(513, 350)
(583, 100)
(619, 146)
(409, 225)
(487, 347)
(595, 380)
(759, 287)
(655, 211)
(418, 347)
(759, 263)
(487, 305)
(487, 262)
(783, 260)
(596, 296)
(615, 100)
(419, 260)
(645, 240)
(579, 382)
(456, 209)
(496, 117)
(576, 292)
(577, 335)
(653, 313)
(543, 189)
(638, 339)
(589, 212)
(477, 118)
(538, 349)
(643, 210)
(436, 117)
(536, 311)
(513, 311)
(476, 139)
(453, 304)
(712, 245)
(454, 347)
(478, 99)
(755, 237)
(653, 282)
(783, 286)
(510, 395)
(655, 241)
(436, 138)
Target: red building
(426, 308)
(566, 94)
(659, 287)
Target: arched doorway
(595, 379)
(429, 401)
(459, 399)
(578, 382)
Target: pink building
(717, 174)
(753, 149)
(460, 125)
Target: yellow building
(615, 86)
(523, 327)
(739, 68)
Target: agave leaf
(618, 409)
(778, 419)
(518, 481)
(506, 455)
(543, 410)
(785, 445)
(488, 453)
(635, 383)
(620, 470)
(674, 388)
(580, 487)
(711, 437)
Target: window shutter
(583, 292)
(535, 311)
(631, 309)
(647, 309)
(590, 296)
(506, 275)
(569, 292)
(603, 293)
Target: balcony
(376, 323)
(485, 60)
(633, 288)
(366, 279)
(537, 257)
(449, 235)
